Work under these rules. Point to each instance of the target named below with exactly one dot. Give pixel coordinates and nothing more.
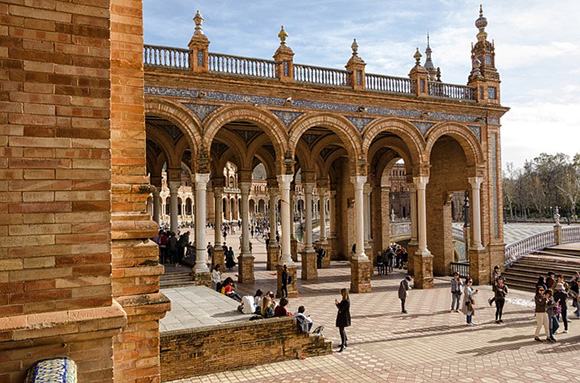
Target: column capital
(173, 186)
(358, 181)
(421, 182)
(156, 191)
(475, 182)
(412, 188)
(367, 188)
(284, 181)
(218, 190)
(321, 191)
(245, 187)
(332, 193)
(201, 180)
(308, 187)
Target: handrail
(321, 76)
(242, 66)
(457, 92)
(516, 250)
(166, 57)
(571, 234)
(461, 267)
(388, 84)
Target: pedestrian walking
(343, 317)
(285, 281)
(541, 314)
(404, 288)
(494, 278)
(456, 291)
(468, 306)
(560, 296)
(500, 291)
(552, 309)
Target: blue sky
(537, 48)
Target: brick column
(413, 243)
(156, 207)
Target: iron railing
(461, 267)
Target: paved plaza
(430, 344)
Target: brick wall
(225, 347)
(135, 258)
(55, 259)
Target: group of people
(172, 249)
(551, 301)
(394, 256)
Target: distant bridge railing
(166, 57)
(388, 84)
(321, 76)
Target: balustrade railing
(232, 190)
(321, 76)
(516, 250)
(388, 84)
(166, 57)
(570, 234)
(457, 233)
(242, 66)
(457, 92)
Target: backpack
(302, 324)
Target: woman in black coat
(343, 317)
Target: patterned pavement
(430, 344)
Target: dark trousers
(565, 317)
(499, 308)
(284, 290)
(554, 325)
(469, 317)
(343, 337)
(403, 305)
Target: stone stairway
(176, 277)
(523, 274)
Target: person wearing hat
(560, 296)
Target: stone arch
(339, 125)
(271, 125)
(182, 117)
(406, 131)
(463, 135)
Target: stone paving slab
(198, 306)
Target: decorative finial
(282, 36)
(198, 19)
(417, 57)
(438, 74)
(354, 47)
(481, 23)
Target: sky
(537, 49)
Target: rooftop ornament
(417, 57)
(282, 36)
(354, 48)
(198, 19)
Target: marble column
(360, 265)
(245, 260)
(284, 181)
(218, 253)
(423, 260)
(272, 250)
(156, 203)
(201, 275)
(173, 216)
(413, 243)
(309, 271)
(332, 213)
(367, 213)
(475, 183)
(321, 198)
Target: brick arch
(180, 116)
(406, 131)
(339, 125)
(463, 135)
(262, 118)
(165, 142)
(394, 143)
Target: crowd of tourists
(394, 256)
(173, 249)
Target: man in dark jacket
(404, 287)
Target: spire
(429, 62)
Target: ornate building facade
(93, 119)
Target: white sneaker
(565, 331)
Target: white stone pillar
(359, 182)
(413, 213)
(173, 216)
(367, 209)
(308, 188)
(475, 183)
(321, 196)
(421, 185)
(201, 180)
(332, 212)
(218, 193)
(245, 191)
(284, 186)
(156, 204)
(273, 226)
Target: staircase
(523, 274)
(176, 277)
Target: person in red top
(281, 309)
